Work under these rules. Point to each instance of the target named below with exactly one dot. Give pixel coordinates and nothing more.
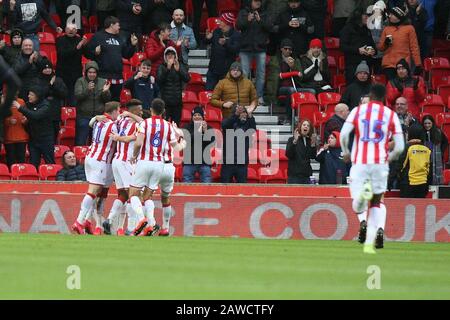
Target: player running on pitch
(374, 124)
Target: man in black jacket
(11, 53)
(55, 92)
(336, 122)
(108, 48)
(317, 11)
(237, 132)
(295, 24)
(27, 16)
(68, 67)
(255, 25)
(358, 88)
(40, 127)
(131, 14)
(357, 43)
(197, 153)
(225, 42)
(171, 76)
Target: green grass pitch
(34, 266)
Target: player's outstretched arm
(132, 116)
(118, 138)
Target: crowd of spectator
(280, 43)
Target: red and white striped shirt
(374, 126)
(158, 134)
(125, 127)
(103, 147)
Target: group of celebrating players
(137, 154)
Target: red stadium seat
(213, 117)
(196, 84)
(444, 91)
(49, 171)
(66, 136)
(332, 66)
(59, 152)
(327, 100)
(433, 104)
(93, 23)
(278, 155)
(252, 175)
(24, 171)
(338, 79)
(435, 62)
(320, 119)
(4, 172)
(69, 116)
(185, 117)
(439, 81)
(228, 6)
(379, 78)
(212, 24)
(269, 175)
(332, 46)
(47, 44)
(305, 103)
(80, 153)
(341, 64)
(204, 97)
(190, 100)
(46, 38)
(125, 96)
(447, 176)
(443, 122)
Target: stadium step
(278, 128)
(198, 63)
(265, 119)
(262, 109)
(198, 53)
(201, 71)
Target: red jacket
(155, 51)
(414, 97)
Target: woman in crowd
(437, 142)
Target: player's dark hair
(112, 106)
(158, 106)
(133, 103)
(110, 21)
(377, 92)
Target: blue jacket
(144, 89)
(429, 6)
(330, 162)
(184, 32)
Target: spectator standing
(105, 8)
(336, 122)
(197, 153)
(358, 88)
(159, 11)
(69, 48)
(225, 42)
(182, 35)
(131, 14)
(376, 23)
(234, 89)
(294, 23)
(255, 25)
(357, 44)
(300, 149)
(71, 171)
(172, 75)
(11, 53)
(405, 85)
(40, 127)
(235, 163)
(55, 92)
(414, 170)
(418, 16)
(284, 77)
(16, 135)
(430, 6)
(142, 85)
(108, 48)
(211, 5)
(333, 170)
(26, 67)
(157, 43)
(437, 142)
(27, 16)
(316, 74)
(342, 11)
(398, 41)
(91, 93)
(317, 10)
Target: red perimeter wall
(248, 211)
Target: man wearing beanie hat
(197, 152)
(399, 41)
(412, 88)
(359, 87)
(356, 43)
(55, 91)
(40, 127)
(11, 52)
(316, 74)
(234, 89)
(225, 42)
(296, 25)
